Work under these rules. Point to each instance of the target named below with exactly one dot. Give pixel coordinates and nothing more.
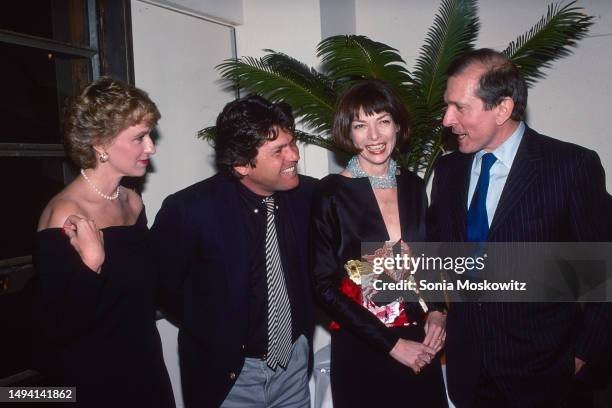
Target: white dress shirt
(505, 154)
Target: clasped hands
(417, 355)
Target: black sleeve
(439, 306)
(433, 227)
(327, 271)
(589, 213)
(69, 294)
(171, 242)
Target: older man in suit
(507, 183)
(232, 255)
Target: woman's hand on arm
(87, 240)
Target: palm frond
(347, 58)
(550, 39)
(208, 133)
(453, 32)
(279, 77)
(310, 138)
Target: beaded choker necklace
(386, 181)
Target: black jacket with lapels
(200, 244)
(555, 192)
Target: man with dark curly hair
(232, 253)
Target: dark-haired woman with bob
(382, 354)
(95, 283)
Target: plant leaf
(453, 32)
(279, 77)
(310, 138)
(548, 40)
(350, 58)
(209, 133)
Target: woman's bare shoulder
(59, 208)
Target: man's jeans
(259, 386)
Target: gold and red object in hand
(359, 272)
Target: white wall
(229, 11)
(174, 57)
(175, 65)
(292, 27)
(337, 17)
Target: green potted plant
(345, 59)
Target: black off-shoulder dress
(363, 374)
(97, 331)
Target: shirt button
(232, 376)
(243, 346)
(264, 356)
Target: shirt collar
(506, 152)
(249, 196)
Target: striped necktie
(279, 309)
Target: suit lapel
(409, 223)
(403, 207)
(460, 193)
(521, 176)
(233, 241)
(290, 247)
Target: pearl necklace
(101, 194)
(386, 181)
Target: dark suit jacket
(200, 243)
(555, 192)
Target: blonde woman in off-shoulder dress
(96, 296)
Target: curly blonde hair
(96, 116)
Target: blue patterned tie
(477, 220)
